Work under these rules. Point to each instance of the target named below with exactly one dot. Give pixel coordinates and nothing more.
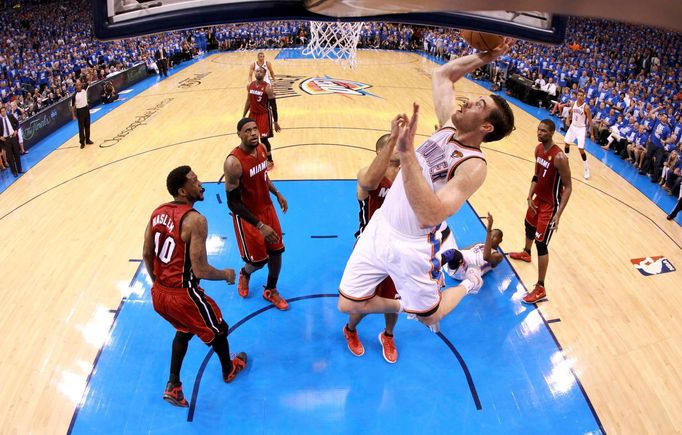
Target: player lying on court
(435, 179)
(483, 256)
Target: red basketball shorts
(252, 245)
(264, 123)
(189, 310)
(544, 212)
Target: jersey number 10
(167, 248)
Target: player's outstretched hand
(490, 222)
(269, 234)
(397, 123)
(277, 127)
(408, 131)
(230, 276)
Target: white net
(334, 40)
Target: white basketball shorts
(411, 261)
(576, 133)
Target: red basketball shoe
(538, 294)
(174, 395)
(243, 285)
(523, 256)
(238, 364)
(354, 344)
(272, 295)
(388, 348)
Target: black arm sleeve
(234, 203)
(273, 105)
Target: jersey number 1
(167, 248)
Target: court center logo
(329, 85)
(653, 265)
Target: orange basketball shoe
(388, 348)
(538, 294)
(272, 295)
(174, 395)
(523, 256)
(354, 344)
(243, 285)
(238, 364)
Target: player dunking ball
(256, 225)
(374, 182)
(175, 257)
(549, 192)
(435, 179)
(262, 107)
(581, 121)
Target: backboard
(124, 18)
(535, 20)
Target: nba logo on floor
(653, 265)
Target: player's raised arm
(370, 177)
(430, 208)
(446, 75)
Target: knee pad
(542, 248)
(530, 231)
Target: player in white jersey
(581, 122)
(401, 240)
(484, 256)
(262, 63)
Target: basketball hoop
(335, 40)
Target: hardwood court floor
(70, 226)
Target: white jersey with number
(579, 116)
(267, 78)
(438, 158)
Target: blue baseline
(60, 136)
(301, 377)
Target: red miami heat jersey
(172, 264)
(258, 98)
(254, 179)
(549, 186)
(373, 201)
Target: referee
(81, 110)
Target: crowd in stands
(45, 48)
(631, 75)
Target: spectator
(109, 94)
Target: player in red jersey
(262, 107)
(551, 186)
(373, 184)
(174, 254)
(256, 225)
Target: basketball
(481, 41)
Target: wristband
(260, 225)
